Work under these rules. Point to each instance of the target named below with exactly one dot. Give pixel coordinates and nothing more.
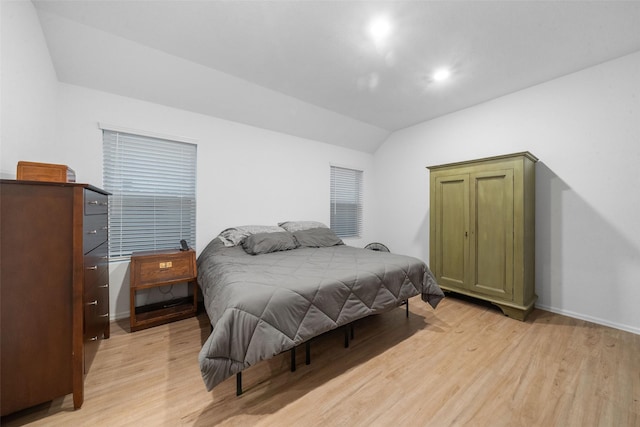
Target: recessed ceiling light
(379, 29)
(441, 74)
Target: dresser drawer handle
(92, 232)
(104, 204)
(94, 302)
(104, 286)
(93, 338)
(105, 228)
(106, 257)
(104, 315)
(93, 202)
(93, 267)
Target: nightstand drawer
(156, 268)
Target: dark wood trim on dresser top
(43, 291)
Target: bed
(268, 289)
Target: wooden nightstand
(154, 269)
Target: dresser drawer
(96, 323)
(95, 231)
(96, 268)
(96, 313)
(95, 301)
(95, 203)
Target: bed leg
(238, 383)
(307, 350)
(293, 359)
(407, 303)
(346, 336)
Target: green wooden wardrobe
(482, 230)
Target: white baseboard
(622, 327)
(117, 316)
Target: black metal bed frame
(348, 334)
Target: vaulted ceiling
(311, 68)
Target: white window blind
(153, 186)
(346, 201)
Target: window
(346, 202)
(153, 186)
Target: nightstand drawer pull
(94, 302)
(92, 232)
(104, 315)
(93, 267)
(93, 338)
(104, 286)
(93, 202)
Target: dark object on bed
(262, 305)
(375, 246)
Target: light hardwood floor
(463, 364)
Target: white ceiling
(309, 68)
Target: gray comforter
(261, 305)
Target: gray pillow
(317, 238)
(264, 243)
(301, 225)
(235, 235)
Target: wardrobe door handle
(94, 302)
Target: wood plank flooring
(463, 364)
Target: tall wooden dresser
(482, 230)
(54, 284)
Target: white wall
(246, 175)
(585, 129)
(27, 92)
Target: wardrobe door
(451, 230)
(492, 232)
